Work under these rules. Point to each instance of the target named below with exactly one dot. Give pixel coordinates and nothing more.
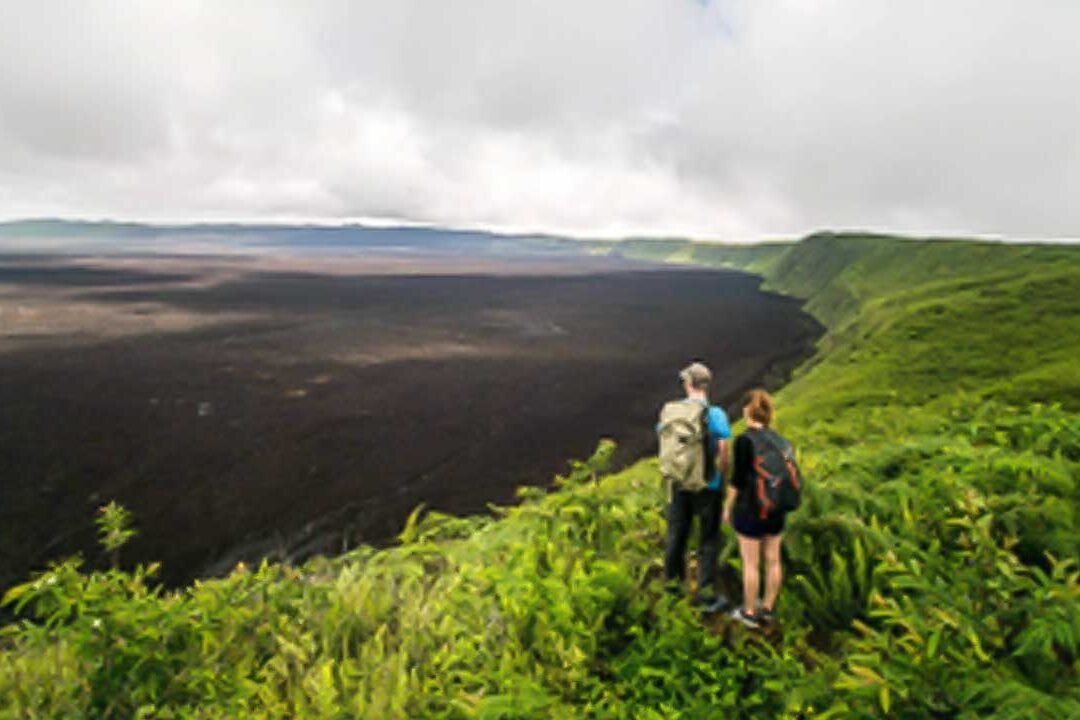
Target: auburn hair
(759, 406)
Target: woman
(758, 523)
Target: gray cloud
(728, 119)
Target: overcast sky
(729, 120)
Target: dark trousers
(684, 506)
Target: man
(698, 496)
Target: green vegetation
(752, 258)
(931, 572)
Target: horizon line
(383, 223)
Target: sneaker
(747, 619)
(765, 617)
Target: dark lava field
(247, 405)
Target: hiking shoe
(765, 617)
(747, 619)
(712, 604)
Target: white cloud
(730, 119)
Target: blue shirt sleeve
(718, 424)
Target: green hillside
(931, 573)
(754, 258)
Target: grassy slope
(754, 258)
(931, 572)
(916, 320)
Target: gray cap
(697, 375)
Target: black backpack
(777, 482)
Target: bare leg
(774, 573)
(750, 551)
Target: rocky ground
(247, 406)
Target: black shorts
(756, 528)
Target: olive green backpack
(683, 432)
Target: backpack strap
(710, 468)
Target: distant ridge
(42, 226)
(281, 235)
